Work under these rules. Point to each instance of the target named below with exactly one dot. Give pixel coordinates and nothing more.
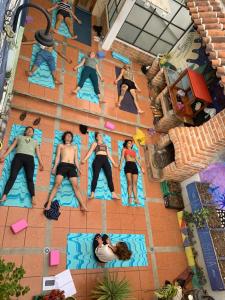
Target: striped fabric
(64, 6)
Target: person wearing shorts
(66, 165)
(128, 85)
(65, 13)
(130, 169)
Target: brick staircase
(209, 17)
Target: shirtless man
(66, 165)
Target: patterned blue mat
(123, 180)
(19, 194)
(83, 31)
(80, 251)
(65, 194)
(42, 76)
(87, 92)
(102, 191)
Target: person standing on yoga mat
(26, 147)
(130, 169)
(66, 165)
(91, 71)
(101, 161)
(65, 12)
(104, 251)
(128, 84)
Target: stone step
(204, 21)
(212, 33)
(217, 54)
(207, 8)
(213, 39)
(210, 14)
(211, 26)
(215, 46)
(203, 3)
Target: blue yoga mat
(102, 191)
(42, 76)
(123, 180)
(87, 92)
(65, 194)
(83, 31)
(121, 58)
(19, 194)
(80, 251)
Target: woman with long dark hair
(130, 169)
(26, 149)
(101, 161)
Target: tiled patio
(58, 109)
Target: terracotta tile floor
(159, 225)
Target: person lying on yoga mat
(26, 148)
(91, 71)
(66, 165)
(104, 251)
(128, 84)
(101, 161)
(65, 13)
(45, 55)
(130, 169)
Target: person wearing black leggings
(26, 147)
(101, 162)
(91, 71)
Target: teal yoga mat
(87, 92)
(19, 194)
(80, 251)
(102, 191)
(83, 31)
(42, 76)
(123, 180)
(65, 194)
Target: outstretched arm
(63, 56)
(75, 18)
(52, 8)
(57, 159)
(139, 163)
(121, 159)
(76, 159)
(93, 146)
(9, 150)
(99, 74)
(120, 76)
(79, 65)
(39, 158)
(110, 157)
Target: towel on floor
(53, 213)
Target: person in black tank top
(65, 12)
(101, 161)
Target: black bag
(53, 213)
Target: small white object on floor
(64, 282)
(48, 283)
(190, 297)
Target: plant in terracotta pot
(10, 277)
(111, 288)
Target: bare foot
(114, 196)
(28, 73)
(140, 111)
(136, 201)
(118, 104)
(102, 101)
(74, 91)
(57, 82)
(83, 208)
(34, 203)
(92, 196)
(48, 206)
(74, 37)
(130, 200)
(3, 198)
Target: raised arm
(120, 76)
(110, 157)
(79, 65)
(52, 8)
(99, 74)
(93, 146)
(57, 159)
(9, 150)
(122, 158)
(41, 166)
(63, 56)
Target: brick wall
(136, 55)
(195, 147)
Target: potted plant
(52, 295)
(111, 288)
(166, 292)
(10, 277)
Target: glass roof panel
(128, 33)
(155, 25)
(145, 41)
(138, 16)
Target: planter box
(212, 260)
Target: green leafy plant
(199, 217)
(10, 277)
(166, 292)
(111, 288)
